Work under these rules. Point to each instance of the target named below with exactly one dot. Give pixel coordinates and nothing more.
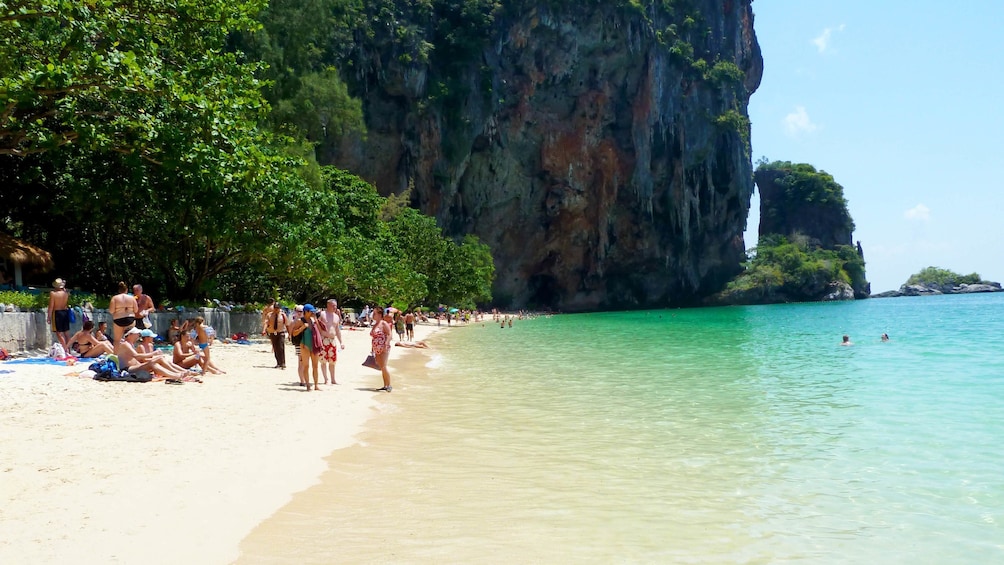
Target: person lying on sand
(417, 344)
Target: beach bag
(103, 370)
(57, 351)
(73, 316)
(370, 361)
(4, 355)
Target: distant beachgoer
(409, 325)
(416, 345)
(847, 340)
(885, 337)
(274, 326)
(102, 333)
(58, 314)
(174, 332)
(144, 307)
(87, 345)
(380, 335)
(399, 325)
(296, 327)
(122, 308)
(332, 323)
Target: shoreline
(127, 472)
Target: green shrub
(942, 277)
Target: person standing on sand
(310, 325)
(144, 307)
(58, 315)
(409, 325)
(332, 323)
(122, 308)
(381, 336)
(274, 326)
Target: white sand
(113, 472)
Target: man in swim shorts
(59, 314)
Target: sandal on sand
(173, 381)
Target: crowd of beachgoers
(185, 353)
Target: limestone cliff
(599, 148)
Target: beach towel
(37, 361)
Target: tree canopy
(138, 143)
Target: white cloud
(822, 42)
(798, 122)
(918, 212)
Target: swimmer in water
(847, 341)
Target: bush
(942, 277)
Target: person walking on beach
(332, 323)
(122, 308)
(381, 336)
(58, 315)
(275, 328)
(409, 325)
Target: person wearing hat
(132, 360)
(309, 355)
(58, 315)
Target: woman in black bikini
(122, 308)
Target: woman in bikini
(310, 325)
(87, 345)
(122, 308)
(381, 334)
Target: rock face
(934, 289)
(588, 145)
(825, 222)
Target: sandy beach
(113, 472)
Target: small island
(805, 251)
(934, 280)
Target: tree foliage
(942, 277)
(792, 270)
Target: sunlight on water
(704, 436)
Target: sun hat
(299, 308)
(147, 333)
(133, 331)
(59, 283)
(309, 308)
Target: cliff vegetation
(805, 251)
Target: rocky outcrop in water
(601, 150)
(936, 289)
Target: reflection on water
(713, 435)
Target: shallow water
(687, 436)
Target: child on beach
(202, 339)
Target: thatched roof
(25, 253)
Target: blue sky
(903, 103)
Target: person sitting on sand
(132, 360)
(146, 346)
(87, 345)
(173, 332)
(184, 355)
(102, 333)
(202, 339)
(847, 341)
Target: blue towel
(37, 361)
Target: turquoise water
(723, 435)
